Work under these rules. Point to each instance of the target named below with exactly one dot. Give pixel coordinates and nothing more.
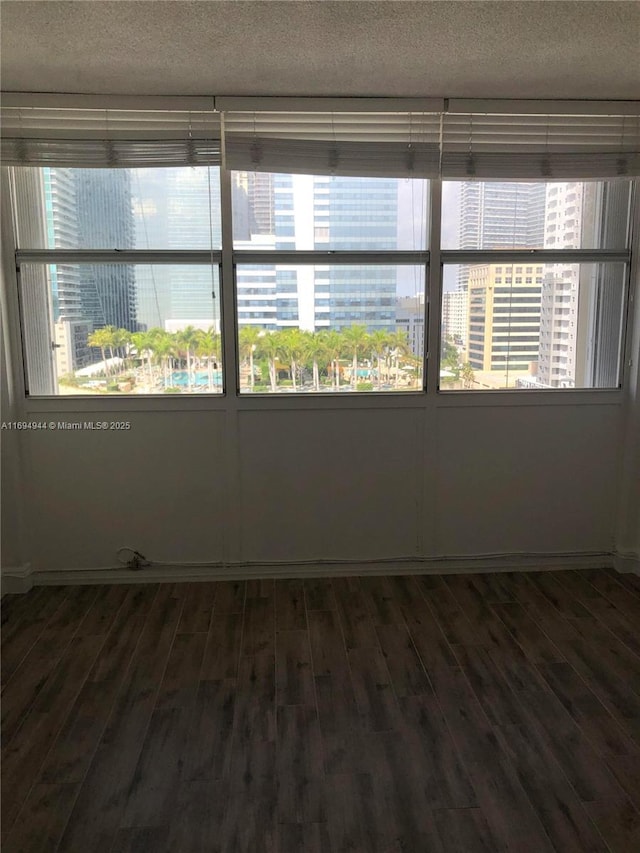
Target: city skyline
(179, 208)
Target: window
(515, 217)
(346, 327)
(120, 328)
(495, 215)
(524, 331)
(126, 259)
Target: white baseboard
(627, 563)
(321, 568)
(17, 580)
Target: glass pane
(537, 326)
(330, 328)
(121, 328)
(164, 208)
(535, 215)
(306, 212)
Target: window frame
(434, 259)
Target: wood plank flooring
(470, 713)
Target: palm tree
(333, 344)
(121, 341)
(416, 362)
(292, 347)
(379, 341)
(100, 339)
(144, 344)
(269, 347)
(314, 350)
(355, 339)
(208, 347)
(248, 340)
(397, 346)
(164, 349)
(187, 341)
(110, 333)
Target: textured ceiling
(457, 49)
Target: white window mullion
(229, 319)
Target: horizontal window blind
(86, 138)
(540, 147)
(455, 139)
(383, 144)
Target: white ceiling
(506, 49)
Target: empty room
(320, 389)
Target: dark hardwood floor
(471, 713)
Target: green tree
(122, 344)
(248, 337)
(398, 347)
(378, 342)
(101, 339)
(269, 348)
(333, 344)
(292, 349)
(450, 357)
(187, 341)
(314, 351)
(164, 349)
(144, 345)
(355, 339)
(467, 374)
(207, 346)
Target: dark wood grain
(355, 616)
(199, 603)
(318, 594)
(42, 819)
(464, 831)
(554, 801)
(430, 714)
(97, 814)
(406, 671)
(300, 766)
(290, 607)
(294, 673)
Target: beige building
(503, 331)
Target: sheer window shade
(86, 138)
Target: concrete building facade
(504, 320)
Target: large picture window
(538, 304)
(321, 326)
(280, 247)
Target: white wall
(335, 484)
(227, 481)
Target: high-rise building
(260, 194)
(61, 209)
(504, 320)
(500, 215)
(559, 320)
(327, 213)
(176, 208)
(105, 219)
(410, 321)
(455, 311)
(256, 287)
(322, 213)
